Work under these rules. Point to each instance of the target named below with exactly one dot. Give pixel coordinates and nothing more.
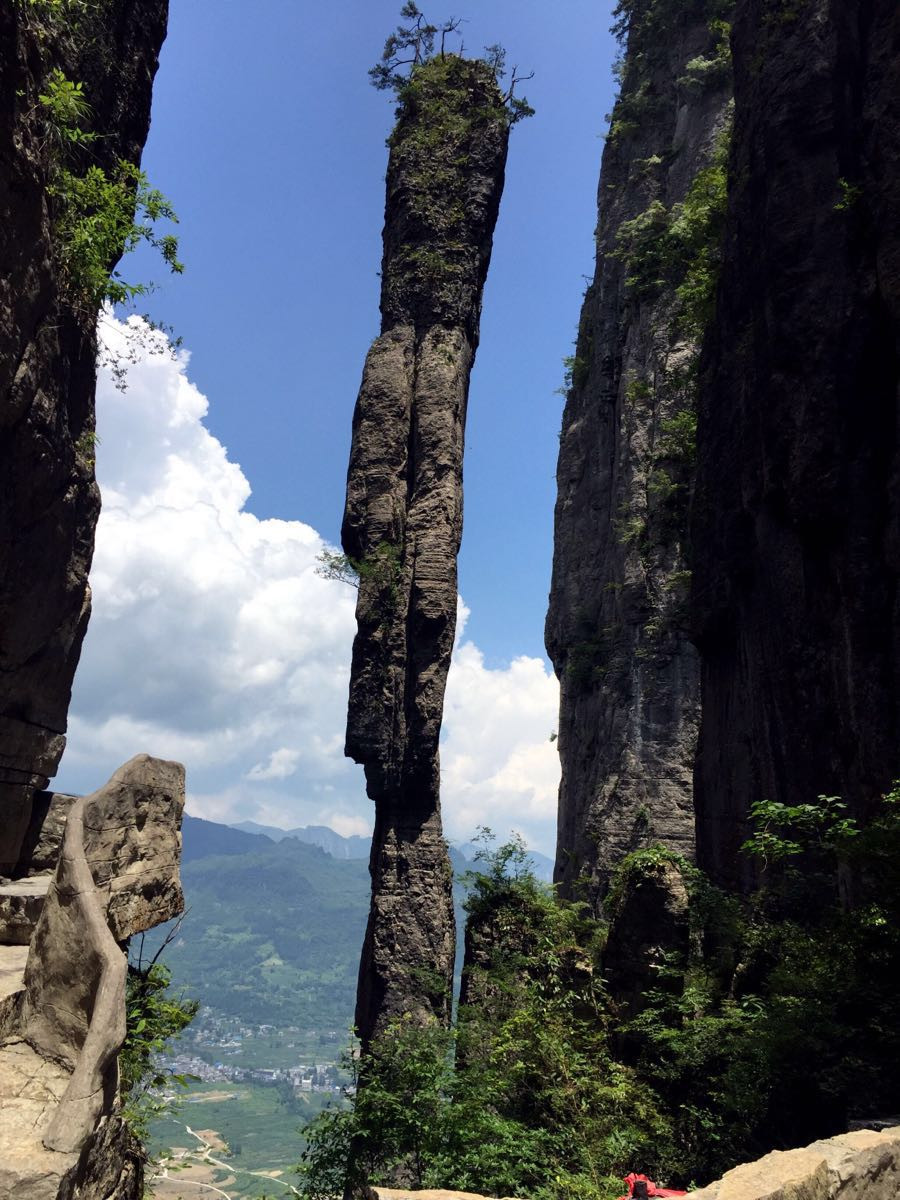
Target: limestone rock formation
(403, 518)
(62, 1009)
(864, 1165)
(49, 495)
(796, 534)
(616, 629)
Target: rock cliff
(616, 629)
(49, 500)
(403, 518)
(796, 531)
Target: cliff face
(797, 524)
(616, 628)
(403, 518)
(49, 500)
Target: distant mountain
(200, 839)
(358, 847)
(540, 864)
(332, 843)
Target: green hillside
(274, 934)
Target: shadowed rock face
(616, 628)
(403, 518)
(49, 500)
(797, 526)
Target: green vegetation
(650, 23)
(413, 45)
(380, 569)
(449, 109)
(288, 952)
(99, 212)
(849, 195)
(781, 1018)
(713, 70)
(98, 216)
(154, 1016)
(522, 1098)
(258, 1123)
(680, 247)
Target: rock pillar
(403, 518)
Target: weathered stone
(132, 843)
(403, 517)
(12, 988)
(110, 1167)
(864, 1165)
(796, 531)
(20, 906)
(616, 628)
(43, 838)
(119, 858)
(49, 495)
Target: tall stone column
(617, 628)
(49, 501)
(403, 519)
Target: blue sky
(213, 640)
(269, 140)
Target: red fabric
(652, 1189)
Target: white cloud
(214, 641)
(282, 764)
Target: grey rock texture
(616, 628)
(403, 517)
(796, 532)
(62, 1011)
(48, 495)
(43, 837)
(20, 907)
(863, 1165)
(110, 1166)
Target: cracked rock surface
(403, 518)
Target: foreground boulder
(62, 1010)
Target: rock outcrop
(796, 533)
(49, 500)
(403, 518)
(863, 1165)
(62, 1018)
(616, 628)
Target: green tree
(155, 1015)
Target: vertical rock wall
(797, 528)
(403, 518)
(49, 500)
(616, 629)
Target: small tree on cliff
(412, 44)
